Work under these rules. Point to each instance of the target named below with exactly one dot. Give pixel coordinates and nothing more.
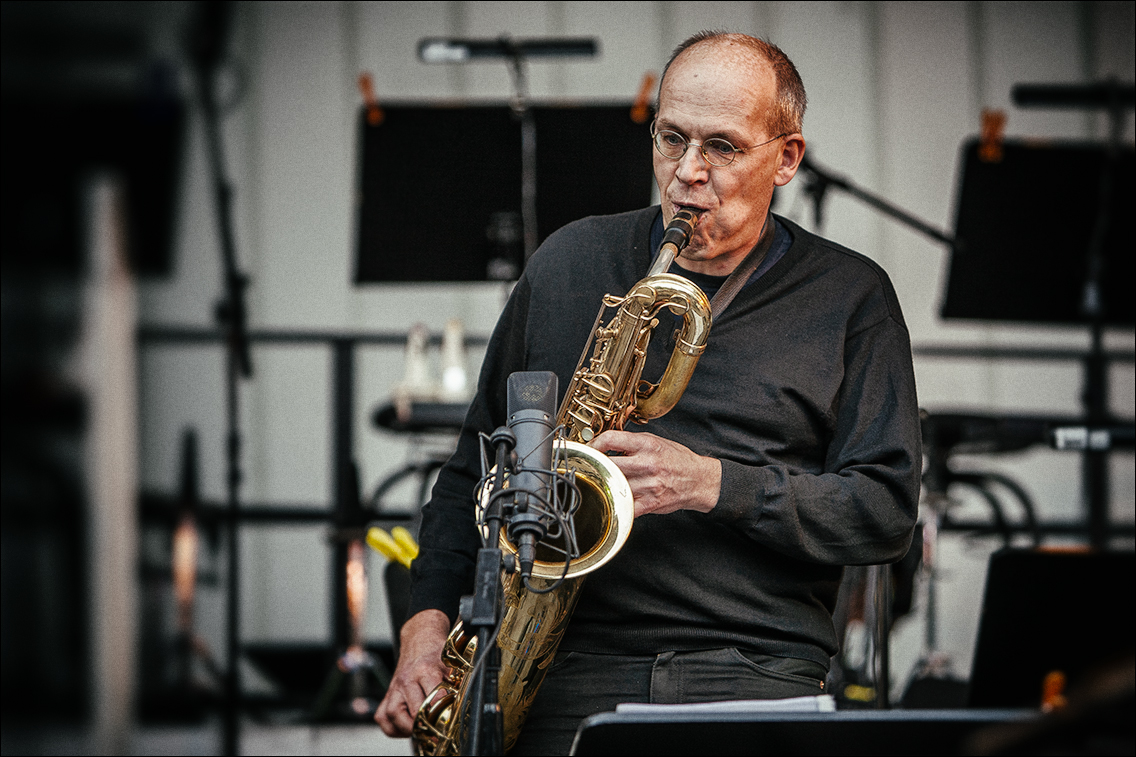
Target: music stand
(1046, 611)
(853, 732)
(452, 211)
(1045, 235)
(1023, 233)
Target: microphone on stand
(531, 407)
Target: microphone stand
(818, 180)
(207, 43)
(522, 111)
(481, 613)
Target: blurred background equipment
(516, 53)
(1045, 611)
(181, 680)
(466, 159)
(91, 154)
(1062, 244)
(207, 47)
(1008, 266)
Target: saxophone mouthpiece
(680, 228)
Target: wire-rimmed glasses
(716, 151)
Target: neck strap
(732, 285)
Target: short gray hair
(789, 115)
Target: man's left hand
(664, 475)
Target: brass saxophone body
(606, 391)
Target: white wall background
(894, 89)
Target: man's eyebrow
(732, 138)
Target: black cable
(977, 481)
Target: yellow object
(403, 538)
(859, 693)
(382, 542)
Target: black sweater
(805, 394)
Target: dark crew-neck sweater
(805, 394)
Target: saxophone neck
(675, 238)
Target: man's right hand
(419, 670)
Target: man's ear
(792, 153)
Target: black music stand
(1046, 611)
(858, 732)
(1050, 227)
(453, 211)
(1023, 233)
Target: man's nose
(692, 166)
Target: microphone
(456, 50)
(531, 405)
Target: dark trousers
(581, 684)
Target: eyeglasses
(716, 151)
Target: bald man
(794, 451)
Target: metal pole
(881, 580)
(522, 110)
(344, 495)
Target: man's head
(747, 92)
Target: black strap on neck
(732, 285)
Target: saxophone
(606, 391)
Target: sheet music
(822, 703)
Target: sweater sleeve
(861, 508)
(443, 570)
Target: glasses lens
(719, 152)
(670, 144)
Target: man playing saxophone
(793, 452)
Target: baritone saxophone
(606, 391)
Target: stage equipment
(418, 383)
(606, 391)
(528, 515)
(949, 434)
(354, 686)
(171, 686)
(356, 682)
(1106, 95)
(462, 195)
(455, 386)
(457, 50)
(1081, 437)
(818, 180)
(1046, 234)
(301, 669)
(894, 732)
(1024, 227)
(516, 53)
(207, 43)
(932, 684)
(51, 147)
(1046, 611)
